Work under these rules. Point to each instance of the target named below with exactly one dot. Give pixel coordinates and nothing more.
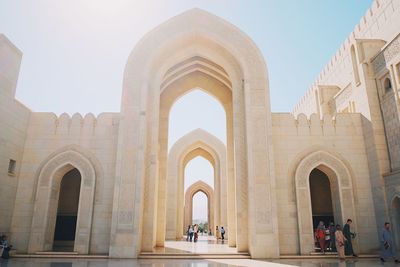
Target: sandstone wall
(13, 124)
(381, 22)
(342, 136)
(48, 135)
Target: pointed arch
(188, 50)
(45, 205)
(199, 186)
(196, 143)
(341, 182)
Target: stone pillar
(262, 209)
(162, 185)
(230, 179)
(240, 170)
(151, 178)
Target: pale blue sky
(75, 51)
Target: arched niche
(46, 201)
(342, 194)
(189, 194)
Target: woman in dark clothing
(5, 247)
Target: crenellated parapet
(379, 25)
(345, 124)
(64, 125)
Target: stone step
(318, 255)
(56, 253)
(151, 255)
(60, 256)
(195, 253)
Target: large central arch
(194, 50)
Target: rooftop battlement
(341, 124)
(76, 125)
(373, 25)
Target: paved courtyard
(188, 263)
(205, 244)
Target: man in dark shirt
(348, 248)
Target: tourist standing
(332, 230)
(216, 232)
(320, 235)
(327, 239)
(187, 233)
(196, 232)
(222, 233)
(387, 249)
(348, 248)
(340, 240)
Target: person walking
(348, 248)
(222, 233)
(191, 233)
(387, 249)
(320, 235)
(340, 240)
(217, 233)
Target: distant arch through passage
(196, 143)
(199, 186)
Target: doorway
(67, 211)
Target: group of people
(192, 233)
(333, 238)
(220, 233)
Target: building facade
(109, 185)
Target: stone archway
(194, 50)
(190, 192)
(342, 194)
(197, 143)
(46, 201)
